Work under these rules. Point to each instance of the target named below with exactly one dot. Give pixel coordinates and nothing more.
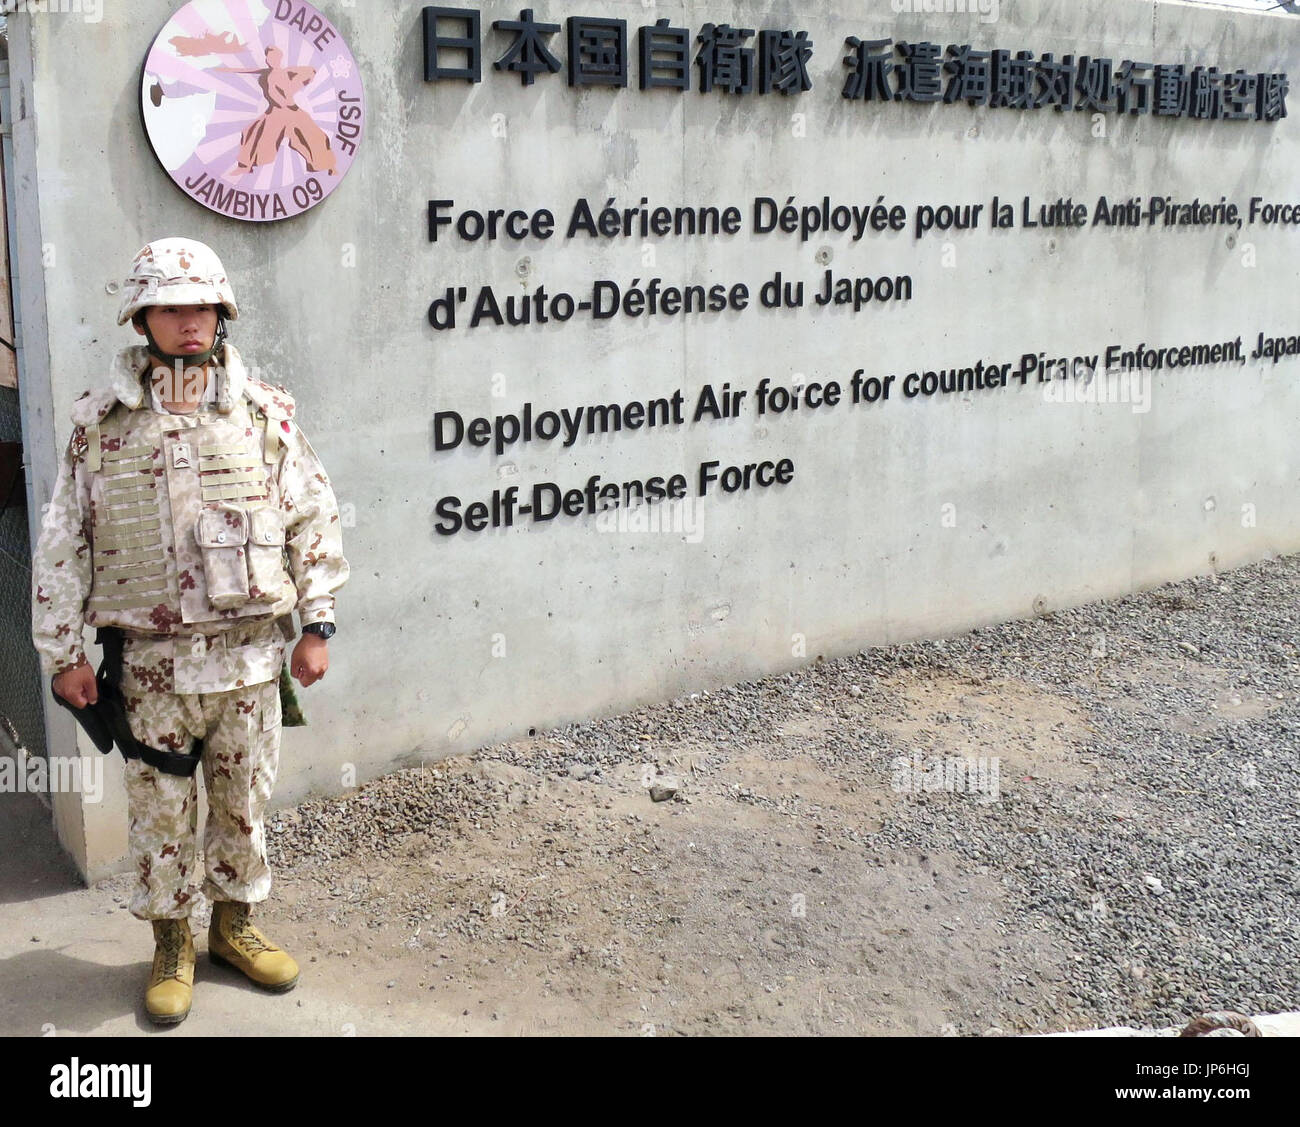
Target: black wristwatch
(322, 630)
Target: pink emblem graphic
(254, 107)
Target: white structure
(917, 511)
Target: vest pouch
(222, 535)
(266, 571)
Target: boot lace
(172, 943)
(242, 932)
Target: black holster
(106, 723)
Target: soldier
(189, 518)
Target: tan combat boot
(234, 942)
(171, 984)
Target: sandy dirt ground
(1136, 863)
(750, 902)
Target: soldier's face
(181, 329)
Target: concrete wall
(448, 643)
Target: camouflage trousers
(240, 729)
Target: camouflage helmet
(176, 272)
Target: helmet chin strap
(189, 359)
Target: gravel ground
(1135, 863)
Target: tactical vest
(187, 528)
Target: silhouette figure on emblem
(283, 120)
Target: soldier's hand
(310, 659)
(77, 686)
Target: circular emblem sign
(254, 107)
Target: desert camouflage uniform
(190, 670)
